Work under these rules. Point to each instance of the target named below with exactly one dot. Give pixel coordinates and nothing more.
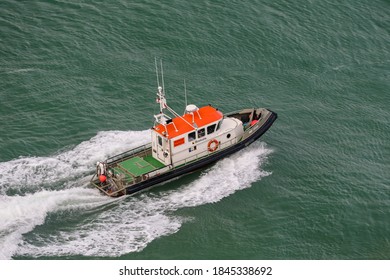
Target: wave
(76, 220)
(21, 214)
(29, 174)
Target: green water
(77, 84)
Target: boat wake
(21, 214)
(48, 210)
(29, 174)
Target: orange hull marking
(178, 142)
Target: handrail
(149, 145)
(239, 111)
(224, 145)
(205, 153)
(129, 153)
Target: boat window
(201, 133)
(219, 124)
(191, 136)
(159, 140)
(211, 128)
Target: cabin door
(163, 151)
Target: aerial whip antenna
(155, 63)
(185, 92)
(162, 118)
(162, 76)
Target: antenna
(162, 76)
(162, 118)
(155, 63)
(185, 92)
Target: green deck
(138, 166)
(154, 162)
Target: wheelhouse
(185, 136)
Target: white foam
(21, 214)
(136, 221)
(33, 173)
(38, 179)
(16, 71)
(234, 173)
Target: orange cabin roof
(208, 115)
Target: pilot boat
(180, 144)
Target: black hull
(191, 167)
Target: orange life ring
(212, 145)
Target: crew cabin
(199, 132)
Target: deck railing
(130, 153)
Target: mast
(162, 75)
(155, 63)
(185, 93)
(162, 118)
